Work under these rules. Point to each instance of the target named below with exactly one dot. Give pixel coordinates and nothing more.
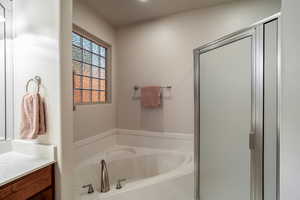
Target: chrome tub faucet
(105, 187)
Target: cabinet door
(45, 195)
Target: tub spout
(104, 177)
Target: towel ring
(36, 80)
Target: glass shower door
(226, 114)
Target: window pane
(95, 84)
(96, 72)
(77, 96)
(87, 57)
(102, 73)
(103, 51)
(86, 70)
(96, 60)
(77, 81)
(86, 44)
(77, 67)
(86, 96)
(95, 96)
(102, 97)
(95, 48)
(89, 63)
(102, 84)
(102, 62)
(76, 39)
(77, 53)
(86, 83)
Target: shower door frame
(256, 33)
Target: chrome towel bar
(37, 80)
(163, 87)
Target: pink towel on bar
(33, 119)
(150, 97)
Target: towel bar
(36, 80)
(138, 87)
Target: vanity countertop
(23, 158)
(14, 165)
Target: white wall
(90, 120)
(42, 46)
(37, 53)
(290, 126)
(160, 52)
(66, 133)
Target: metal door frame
(256, 33)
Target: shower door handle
(252, 140)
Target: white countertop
(21, 160)
(14, 165)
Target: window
(91, 68)
(6, 71)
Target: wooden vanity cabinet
(44, 195)
(38, 185)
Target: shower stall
(236, 115)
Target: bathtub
(150, 174)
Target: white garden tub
(150, 174)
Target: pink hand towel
(33, 116)
(42, 112)
(150, 97)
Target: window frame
(108, 68)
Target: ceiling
(125, 12)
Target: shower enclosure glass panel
(225, 121)
(2, 75)
(237, 89)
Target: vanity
(38, 185)
(27, 171)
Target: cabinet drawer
(38, 180)
(32, 190)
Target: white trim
(112, 132)
(95, 138)
(267, 19)
(165, 135)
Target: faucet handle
(119, 185)
(90, 186)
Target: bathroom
(95, 63)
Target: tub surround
(20, 158)
(159, 140)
